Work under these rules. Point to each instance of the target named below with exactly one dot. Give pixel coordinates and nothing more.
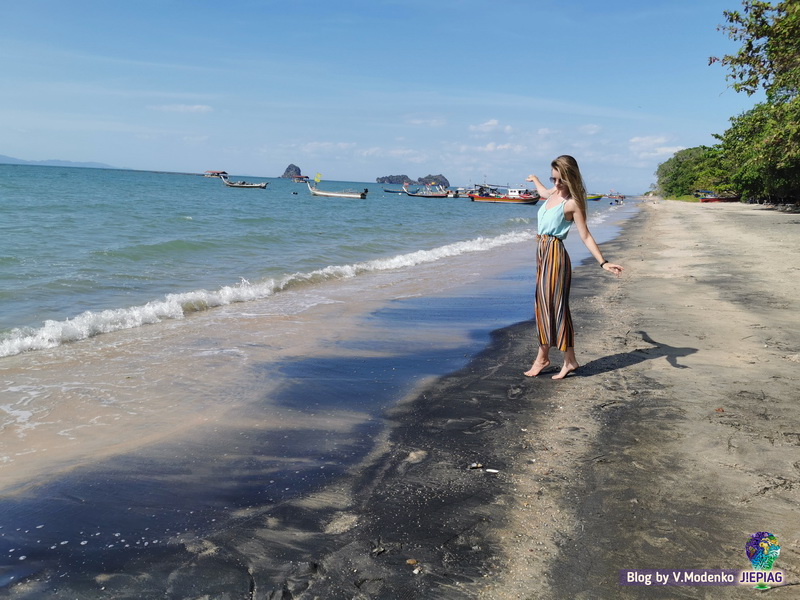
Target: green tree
(692, 169)
(770, 54)
(761, 149)
(710, 172)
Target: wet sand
(676, 441)
(677, 438)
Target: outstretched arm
(543, 191)
(571, 210)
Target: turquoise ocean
(175, 350)
(89, 251)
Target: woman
(565, 204)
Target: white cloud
(315, 147)
(409, 155)
(489, 126)
(590, 129)
(492, 148)
(183, 108)
(370, 152)
(652, 147)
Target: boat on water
(243, 184)
(318, 192)
(429, 192)
(506, 196)
(459, 192)
(398, 191)
(300, 178)
(594, 196)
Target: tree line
(758, 156)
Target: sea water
(173, 350)
(87, 251)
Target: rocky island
(403, 179)
(291, 172)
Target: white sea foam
(177, 306)
(21, 420)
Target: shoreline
(628, 464)
(676, 441)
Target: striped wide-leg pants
(553, 278)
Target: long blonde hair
(567, 169)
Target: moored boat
(243, 184)
(317, 192)
(403, 191)
(429, 192)
(509, 196)
(712, 196)
(594, 196)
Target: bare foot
(566, 370)
(537, 367)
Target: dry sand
(682, 437)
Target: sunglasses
(556, 180)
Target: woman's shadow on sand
(638, 355)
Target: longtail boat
(510, 196)
(318, 192)
(243, 184)
(429, 192)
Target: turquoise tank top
(552, 221)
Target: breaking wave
(176, 306)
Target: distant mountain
(292, 171)
(9, 160)
(402, 179)
(395, 179)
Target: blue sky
(356, 89)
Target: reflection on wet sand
(138, 452)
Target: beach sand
(676, 439)
(680, 439)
